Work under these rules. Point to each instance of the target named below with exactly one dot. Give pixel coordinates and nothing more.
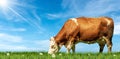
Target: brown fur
(87, 30)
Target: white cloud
(18, 29)
(37, 45)
(10, 42)
(116, 19)
(8, 47)
(10, 38)
(53, 16)
(37, 17)
(11, 47)
(90, 8)
(117, 29)
(6, 28)
(16, 43)
(101, 7)
(44, 44)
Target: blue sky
(28, 25)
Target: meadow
(44, 55)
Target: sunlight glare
(3, 3)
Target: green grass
(44, 55)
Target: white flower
(60, 54)
(7, 54)
(114, 55)
(23, 55)
(88, 54)
(40, 53)
(53, 55)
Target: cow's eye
(52, 47)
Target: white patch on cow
(75, 20)
(108, 22)
(52, 41)
(69, 46)
(53, 46)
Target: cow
(83, 29)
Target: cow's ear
(52, 39)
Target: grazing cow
(83, 29)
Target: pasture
(44, 55)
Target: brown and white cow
(83, 29)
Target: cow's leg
(69, 45)
(73, 48)
(68, 50)
(59, 47)
(109, 44)
(101, 45)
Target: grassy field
(44, 55)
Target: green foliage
(44, 55)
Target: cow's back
(93, 28)
(88, 23)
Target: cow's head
(53, 46)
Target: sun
(3, 3)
